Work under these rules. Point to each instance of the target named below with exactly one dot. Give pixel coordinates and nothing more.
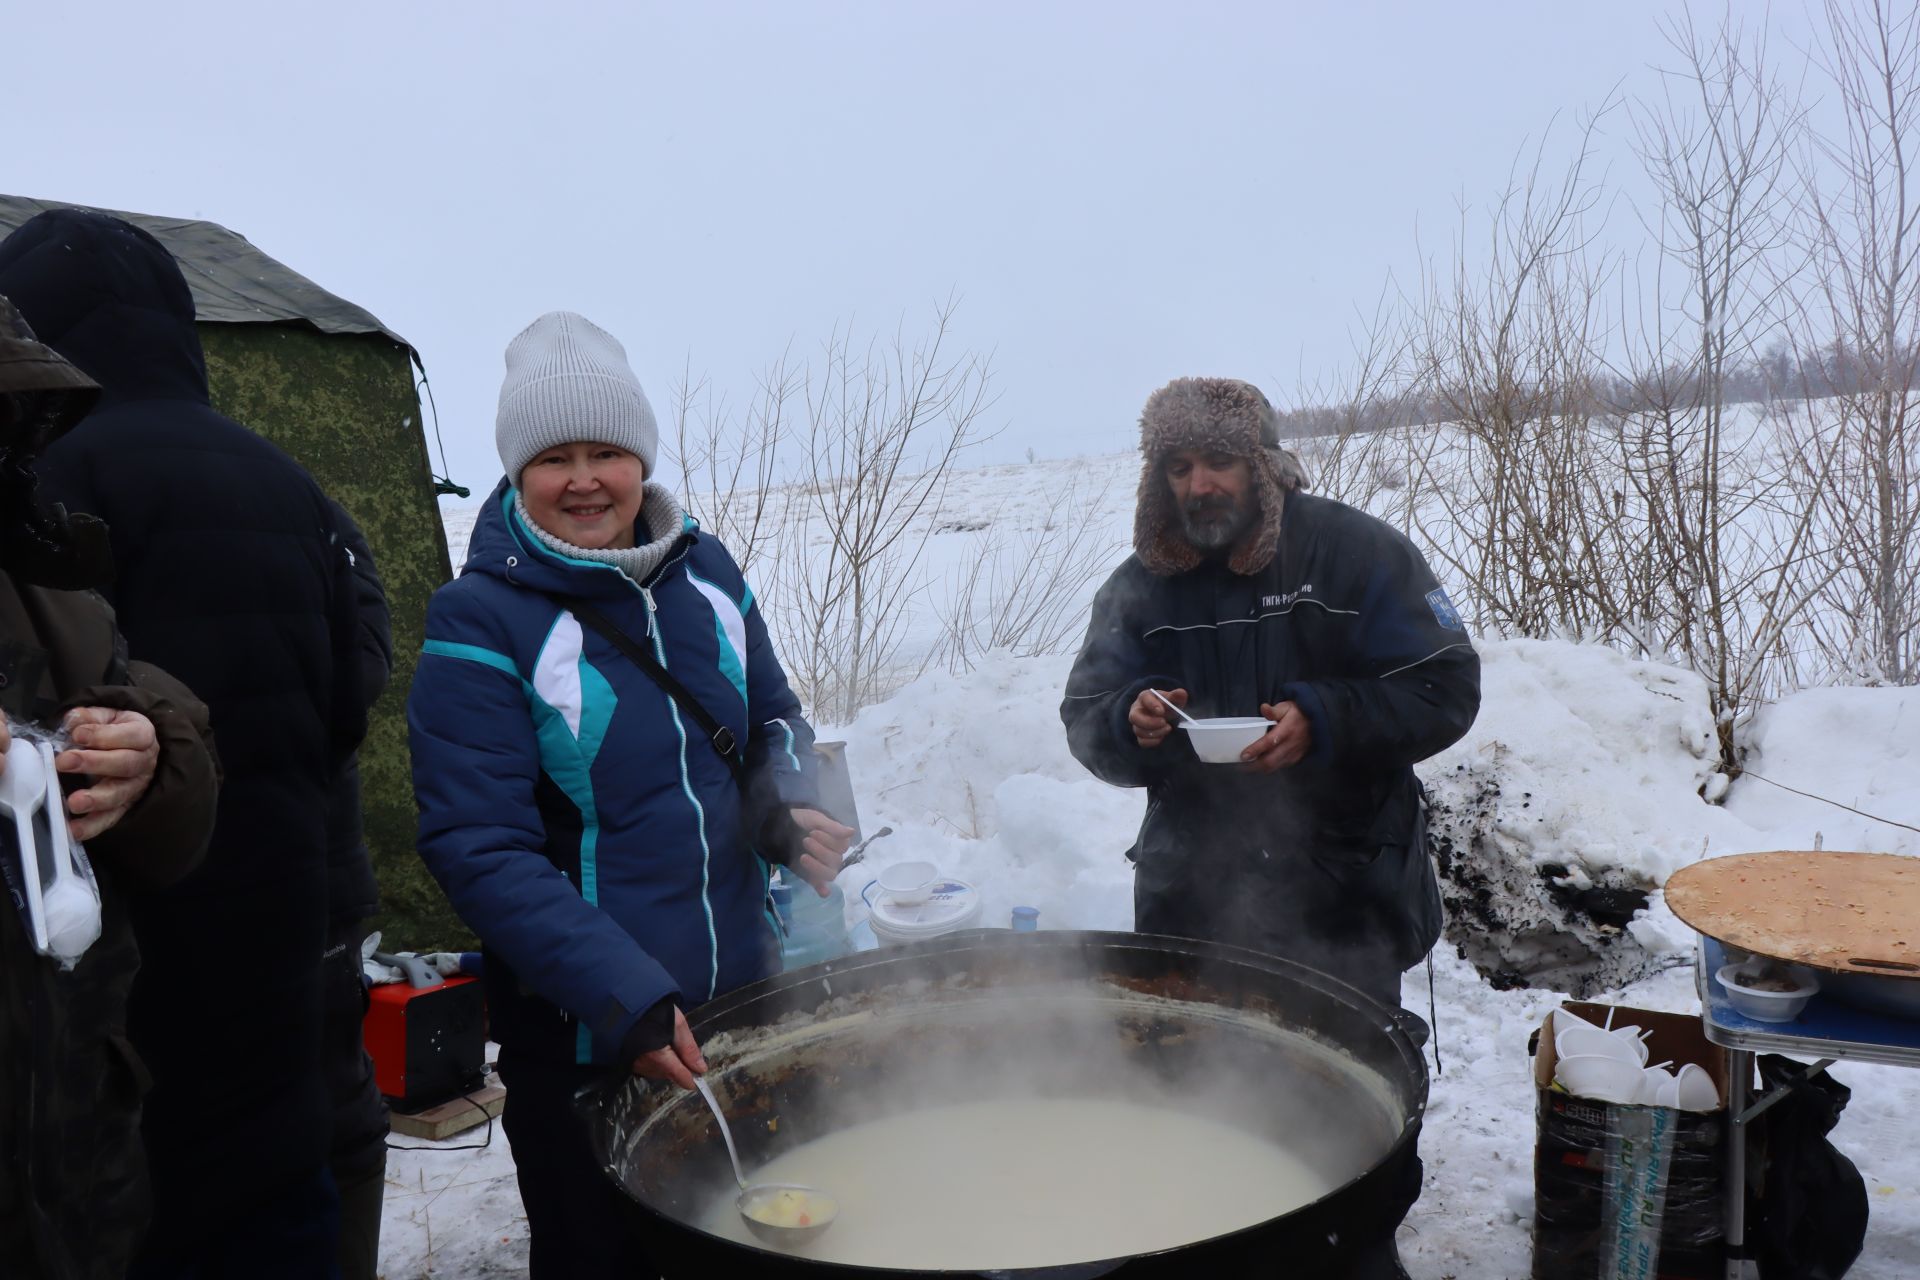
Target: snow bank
(1575, 794)
(972, 773)
(1860, 747)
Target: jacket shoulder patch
(1443, 611)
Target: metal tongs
(859, 851)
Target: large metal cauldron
(1257, 1041)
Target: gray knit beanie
(568, 381)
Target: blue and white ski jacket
(579, 821)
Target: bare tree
(1864, 237)
(1029, 597)
(1350, 433)
(1735, 553)
(1505, 355)
(729, 471)
(886, 426)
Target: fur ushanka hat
(1223, 415)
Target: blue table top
(1826, 1028)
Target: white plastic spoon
(1170, 702)
(72, 906)
(23, 790)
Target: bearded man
(1246, 596)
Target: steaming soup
(983, 1186)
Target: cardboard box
(1625, 1192)
(1678, 1036)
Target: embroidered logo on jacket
(1282, 602)
(1443, 610)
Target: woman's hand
(678, 1062)
(120, 751)
(823, 844)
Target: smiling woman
(600, 823)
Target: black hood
(110, 298)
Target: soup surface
(1031, 1183)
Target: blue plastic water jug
(819, 928)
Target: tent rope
(443, 484)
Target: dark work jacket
(353, 895)
(229, 576)
(1321, 862)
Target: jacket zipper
(659, 650)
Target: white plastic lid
(952, 905)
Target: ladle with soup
(788, 1214)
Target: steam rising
(1292, 1061)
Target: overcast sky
(1118, 194)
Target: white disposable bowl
(1564, 1018)
(909, 883)
(1653, 1083)
(1221, 740)
(1768, 1006)
(1610, 1044)
(1592, 1075)
(1695, 1090)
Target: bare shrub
(886, 423)
(1737, 561)
(1862, 228)
(1029, 596)
(1504, 352)
(728, 470)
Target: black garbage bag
(1807, 1206)
(1622, 1190)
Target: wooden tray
(1853, 913)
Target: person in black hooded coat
(358, 1155)
(230, 574)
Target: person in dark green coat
(141, 786)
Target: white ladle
(753, 1194)
(1181, 711)
(23, 790)
(72, 906)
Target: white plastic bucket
(950, 906)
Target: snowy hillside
(1595, 764)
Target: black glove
(653, 1031)
(780, 838)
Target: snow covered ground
(1600, 759)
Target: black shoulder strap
(721, 738)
